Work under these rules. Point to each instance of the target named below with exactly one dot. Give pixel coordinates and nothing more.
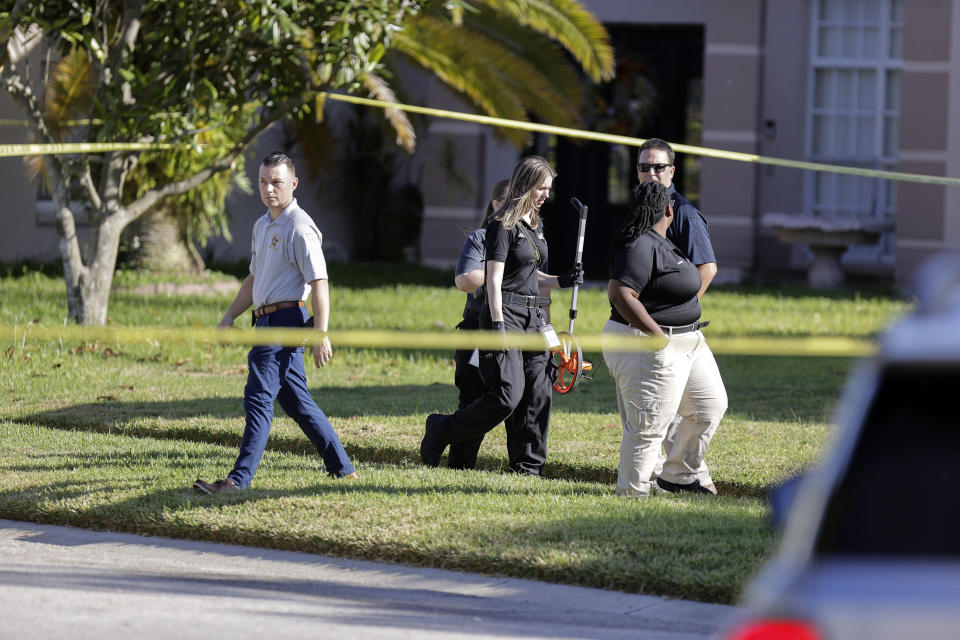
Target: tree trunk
(95, 295)
(88, 287)
(74, 271)
(98, 278)
(154, 243)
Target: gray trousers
(653, 389)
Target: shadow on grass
(364, 450)
(642, 551)
(767, 388)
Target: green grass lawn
(112, 435)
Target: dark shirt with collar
(689, 230)
(666, 281)
(471, 259)
(511, 247)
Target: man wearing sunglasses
(688, 231)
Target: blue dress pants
(277, 373)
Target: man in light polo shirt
(286, 265)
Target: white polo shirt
(285, 256)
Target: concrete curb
(66, 582)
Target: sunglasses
(644, 167)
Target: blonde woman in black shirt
(653, 293)
(518, 386)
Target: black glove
(553, 369)
(499, 328)
(572, 277)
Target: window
(853, 106)
(47, 213)
(873, 511)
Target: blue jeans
(277, 373)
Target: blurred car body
(871, 547)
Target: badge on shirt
(275, 240)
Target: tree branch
(86, 181)
(137, 208)
(18, 8)
(132, 10)
(23, 95)
(112, 176)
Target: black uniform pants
(463, 455)
(517, 393)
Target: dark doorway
(656, 93)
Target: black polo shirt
(511, 247)
(666, 281)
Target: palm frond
(542, 62)
(570, 24)
(379, 89)
(70, 91)
(504, 70)
(450, 64)
(68, 96)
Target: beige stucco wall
(755, 71)
(782, 125)
(451, 211)
(649, 11)
(927, 215)
(952, 194)
(22, 237)
(733, 51)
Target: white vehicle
(871, 547)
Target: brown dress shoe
(211, 488)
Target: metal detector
(568, 357)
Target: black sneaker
(693, 487)
(431, 447)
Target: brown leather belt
(276, 306)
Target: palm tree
(512, 59)
(165, 238)
(507, 58)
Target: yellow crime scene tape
(811, 346)
(636, 142)
(9, 150)
(427, 340)
(9, 122)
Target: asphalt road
(61, 582)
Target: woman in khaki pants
(653, 294)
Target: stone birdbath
(827, 238)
